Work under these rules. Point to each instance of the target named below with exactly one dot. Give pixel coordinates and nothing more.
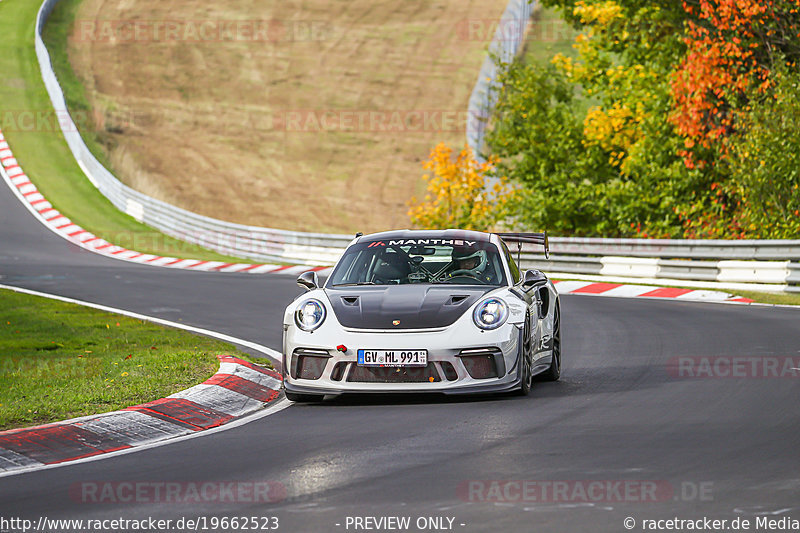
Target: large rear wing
(530, 238)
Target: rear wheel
(554, 371)
(304, 398)
(526, 360)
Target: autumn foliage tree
(457, 195)
(733, 46)
(737, 51)
(587, 133)
(669, 119)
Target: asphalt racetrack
(630, 432)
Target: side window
(512, 266)
(352, 268)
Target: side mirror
(308, 280)
(532, 278)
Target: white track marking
(263, 269)
(566, 287)
(629, 291)
(269, 352)
(705, 295)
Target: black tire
(304, 398)
(526, 360)
(554, 371)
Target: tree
(670, 119)
(764, 159)
(456, 194)
(723, 88)
(589, 135)
(732, 47)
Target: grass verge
(55, 36)
(30, 125)
(61, 360)
(777, 298)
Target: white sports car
(423, 311)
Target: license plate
(392, 357)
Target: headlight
(490, 313)
(309, 315)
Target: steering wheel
(464, 273)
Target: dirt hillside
(311, 115)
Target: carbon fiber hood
(415, 306)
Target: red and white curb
(44, 211)
(645, 291)
(239, 388)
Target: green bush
(538, 138)
(765, 163)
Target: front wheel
(526, 360)
(304, 398)
(554, 371)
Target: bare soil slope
(310, 115)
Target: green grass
(55, 35)
(60, 360)
(778, 298)
(548, 35)
(39, 145)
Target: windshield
(420, 261)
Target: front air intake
(309, 363)
(389, 374)
(449, 371)
(483, 363)
(338, 370)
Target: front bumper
(452, 355)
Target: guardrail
(643, 261)
(682, 248)
(505, 44)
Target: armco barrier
(768, 275)
(505, 44)
(683, 248)
(773, 263)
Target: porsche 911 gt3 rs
(423, 311)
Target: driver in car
(470, 263)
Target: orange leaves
(730, 48)
(457, 195)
